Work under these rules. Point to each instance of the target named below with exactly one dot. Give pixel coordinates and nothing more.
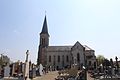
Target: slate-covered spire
(45, 28)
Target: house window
(67, 58)
(49, 58)
(58, 58)
(78, 57)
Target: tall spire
(45, 28)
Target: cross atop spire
(44, 29)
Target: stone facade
(64, 56)
(90, 57)
(59, 57)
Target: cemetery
(16, 70)
(21, 70)
(106, 70)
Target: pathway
(48, 76)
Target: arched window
(94, 64)
(89, 63)
(62, 57)
(58, 58)
(67, 58)
(63, 60)
(78, 57)
(49, 58)
(54, 59)
(42, 41)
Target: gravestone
(23, 67)
(7, 71)
(13, 69)
(0, 70)
(32, 73)
(41, 69)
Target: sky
(95, 23)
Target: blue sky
(95, 23)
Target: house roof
(44, 28)
(87, 48)
(59, 48)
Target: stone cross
(27, 53)
(26, 71)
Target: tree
(100, 59)
(4, 60)
(107, 62)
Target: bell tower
(44, 42)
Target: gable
(77, 45)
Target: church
(60, 57)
